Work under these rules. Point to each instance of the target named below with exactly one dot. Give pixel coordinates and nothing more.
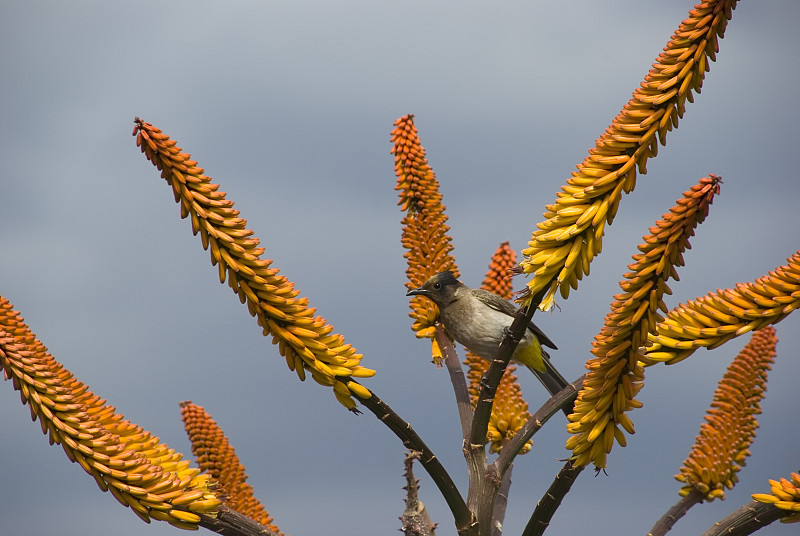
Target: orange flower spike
(424, 237)
(721, 447)
(215, 455)
(615, 375)
(719, 316)
(499, 277)
(123, 458)
(510, 411)
(563, 246)
(303, 339)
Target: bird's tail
(552, 380)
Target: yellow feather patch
(530, 355)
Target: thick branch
(677, 511)
(746, 520)
(429, 461)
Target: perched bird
(479, 319)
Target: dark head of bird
(440, 288)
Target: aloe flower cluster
(305, 340)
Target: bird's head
(440, 288)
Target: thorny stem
(547, 505)
(500, 504)
(678, 510)
(746, 520)
(415, 520)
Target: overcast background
(289, 106)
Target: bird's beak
(417, 292)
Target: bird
(479, 319)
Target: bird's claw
(507, 333)
(484, 382)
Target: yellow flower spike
(610, 168)
(217, 457)
(784, 494)
(722, 444)
(424, 226)
(269, 296)
(138, 470)
(726, 314)
(615, 375)
(510, 411)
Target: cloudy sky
(289, 106)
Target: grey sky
(289, 106)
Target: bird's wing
(494, 301)
(504, 306)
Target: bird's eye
(437, 286)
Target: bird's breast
(480, 328)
